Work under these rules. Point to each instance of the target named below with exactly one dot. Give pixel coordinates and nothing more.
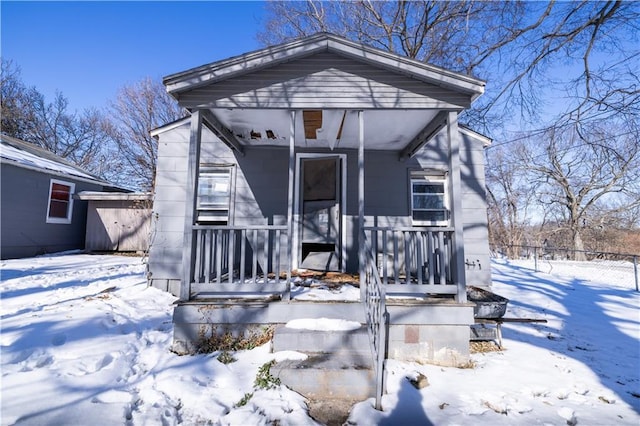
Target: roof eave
(57, 173)
(154, 133)
(113, 196)
(243, 64)
(250, 62)
(486, 140)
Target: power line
(536, 132)
(562, 151)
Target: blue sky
(88, 50)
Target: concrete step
(328, 376)
(339, 363)
(340, 342)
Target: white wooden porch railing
(416, 260)
(376, 315)
(240, 259)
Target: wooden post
(361, 247)
(290, 208)
(635, 270)
(455, 195)
(195, 140)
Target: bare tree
(13, 96)
(509, 200)
(563, 67)
(77, 137)
(448, 34)
(514, 45)
(575, 170)
(138, 109)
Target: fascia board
(416, 69)
(486, 141)
(169, 126)
(239, 65)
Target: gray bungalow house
(323, 154)
(40, 211)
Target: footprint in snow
(569, 415)
(106, 361)
(87, 367)
(59, 340)
(38, 361)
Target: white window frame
(436, 177)
(225, 212)
(61, 220)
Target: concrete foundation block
(313, 341)
(442, 344)
(327, 377)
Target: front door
(320, 213)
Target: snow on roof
(23, 154)
(114, 196)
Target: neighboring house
(323, 154)
(39, 211)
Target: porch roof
(270, 56)
(247, 99)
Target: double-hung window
(214, 194)
(60, 207)
(429, 198)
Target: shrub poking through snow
(247, 396)
(226, 357)
(264, 379)
(212, 339)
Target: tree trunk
(578, 245)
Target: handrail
(376, 315)
(240, 228)
(409, 228)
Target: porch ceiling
(383, 129)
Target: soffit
(383, 129)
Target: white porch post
(290, 208)
(195, 139)
(455, 189)
(361, 247)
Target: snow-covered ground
(85, 341)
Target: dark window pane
(319, 179)
(58, 209)
(428, 188)
(60, 192)
(434, 202)
(429, 216)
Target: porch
(324, 219)
(235, 261)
